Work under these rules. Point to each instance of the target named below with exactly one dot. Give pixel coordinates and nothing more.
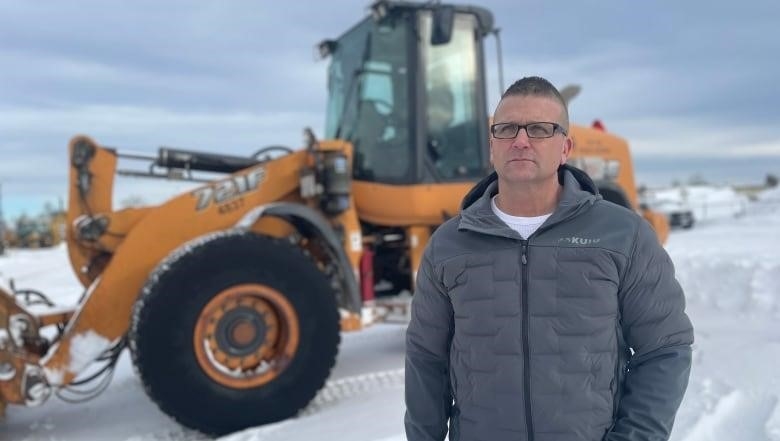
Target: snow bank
(706, 202)
(748, 286)
(737, 416)
(723, 269)
(770, 195)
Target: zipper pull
(525, 249)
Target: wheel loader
(606, 158)
(231, 297)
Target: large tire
(212, 310)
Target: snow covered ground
(729, 267)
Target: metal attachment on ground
(36, 388)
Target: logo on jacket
(574, 240)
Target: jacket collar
(476, 215)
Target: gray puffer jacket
(576, 334)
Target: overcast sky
(688, 78)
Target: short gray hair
(538, 86)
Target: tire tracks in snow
(349, 387)
(335, 391)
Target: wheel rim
(246, 336)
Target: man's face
(523, 159)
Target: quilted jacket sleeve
(428, 394)
(660, 335)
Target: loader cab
(406, 88)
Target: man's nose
(521, 139)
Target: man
(543, 312)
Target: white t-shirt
(525, 226)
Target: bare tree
(697, 179)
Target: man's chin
(528, 175)
(517, 177)
(521, 169)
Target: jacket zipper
(526, 355)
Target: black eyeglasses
(534, 130)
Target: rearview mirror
(443, 20)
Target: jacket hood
(477, 214)
(476, 192)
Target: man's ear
(568, 146)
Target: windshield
(452, 116)
(368, 101)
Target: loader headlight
(336, 183)
(597, 168)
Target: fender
(312, 224)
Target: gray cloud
(233, 76)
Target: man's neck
(528, 199)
